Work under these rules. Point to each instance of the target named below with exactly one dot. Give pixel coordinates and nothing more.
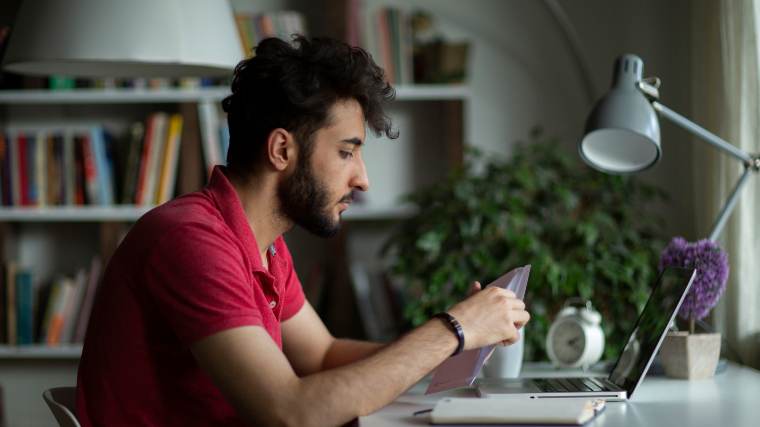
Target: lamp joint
(650, 86)
(754, 163)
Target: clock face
(568, 342)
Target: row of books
(53, 313)
(386, 34)
(252, 28)
(87, 166)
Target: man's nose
(361, 181)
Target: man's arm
(311, 348)
(256, 377)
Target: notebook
(523, 412)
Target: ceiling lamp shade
(116, 38)
(622, 132)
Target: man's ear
(281, 149)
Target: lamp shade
(622, 132)
(116, 38)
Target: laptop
(632, 364)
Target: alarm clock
(575, 337)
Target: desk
(732, 398)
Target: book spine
(15, 170)
(23, 168)
(69, 169)
(40, 168)
(155, 159)
(5, 163)
(80, 195)
(132, 166)
(171, 156)
(105, 179)
(3, 307)
(24, 307)
(209, 120)
(31, 170)
(142, 176)
(89, 298)
(91, 179)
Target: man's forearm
(339, 395)
(345, 351)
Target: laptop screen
(643, 343)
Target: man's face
(320, 187)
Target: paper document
(461, 370)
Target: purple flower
(711, 263)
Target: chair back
(61, 401)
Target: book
(93, 280)
(40, 169)
(460, 410)
(208, 117)
(58, 319)
(24, 307)
(69, 169)
(3, 307)
(155, 158)
(73, 305)
(102, 165)
(168, 176)
(91, 173)
(132, 165)
(21, 167)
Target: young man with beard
(201, 320)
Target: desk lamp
(623, 134)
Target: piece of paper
(461, 370)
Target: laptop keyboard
(564, 385)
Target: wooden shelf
(73, 214)
(41, 351)
(112, 96)
(133, 213)
(177, 95)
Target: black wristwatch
(456, 327)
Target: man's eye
(346, 154)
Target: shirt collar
(229, 205)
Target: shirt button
(272, 304)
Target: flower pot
(690, 356)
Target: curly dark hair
(293, 86)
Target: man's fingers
(520, 318)
(474, 287)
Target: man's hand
(490, 316)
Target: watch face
(568, 342)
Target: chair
(61, 402)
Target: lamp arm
(701, 132)
(750, 162)
(725, 212)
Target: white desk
(732, 398)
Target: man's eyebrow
(354, 140)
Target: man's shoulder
(193, 211)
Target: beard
(304, 199)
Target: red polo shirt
(186, 270)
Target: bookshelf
(41, 352)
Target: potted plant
(689, 354)
(584, 232)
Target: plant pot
(506, 361)
(690, 356)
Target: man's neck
(258, 196)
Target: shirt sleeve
(293, 291)
(197, 276)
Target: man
(201, 320)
